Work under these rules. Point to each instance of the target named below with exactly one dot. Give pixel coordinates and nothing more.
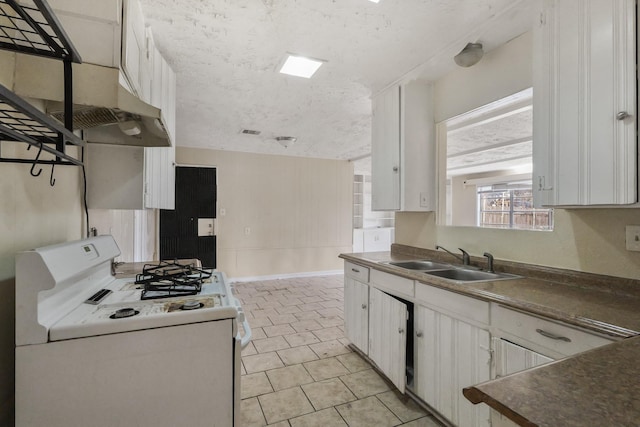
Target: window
(511, 206)
(485, 167)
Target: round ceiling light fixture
(286, 141)
(470, 55)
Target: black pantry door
(196, 196)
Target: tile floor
(298, 370)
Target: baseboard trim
(285, 276)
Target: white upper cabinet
(147, 72)
(130, 177)
(135, 61)
(403, 148)
(385, 151)
(585, 146)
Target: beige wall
(133, 230)
(591, 240)
(32, 214)
(464, 202)
(298, 211)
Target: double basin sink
(466, 274)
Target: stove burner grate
(171, 279)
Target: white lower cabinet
(458, 341)
(449, 355)
(509, 359)
(376, 323)
(388, 336)
(356, 313)
(523, 341)
(512, 358)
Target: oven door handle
(246, 338)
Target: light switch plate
(206, 227)
(633, 237)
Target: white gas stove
(86, 340)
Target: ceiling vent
(250, 132)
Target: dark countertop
(612, 310)
(600, 387)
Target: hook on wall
(52, 180)
(35, 162)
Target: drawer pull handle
(400, 331)
(355, 270)
(419, 334)
(364, 306)
(552, 336)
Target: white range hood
(104, 109)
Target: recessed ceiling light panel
(300, 66)
(374, 1)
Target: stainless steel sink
(464, 275)
(420, 265)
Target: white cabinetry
(135, 52)
(585, 146)
(509, 359)
(451, 354)
(388, 336)
(550, 338)
(403, 148)
(123, 177)
(522, 341)
(356, 309)
(376, 323)
(148, 74)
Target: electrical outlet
(633, 237)
(424, 200)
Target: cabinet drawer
(357, 272)
(395, 285)
(470, 308)
(546, 333)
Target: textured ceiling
(226, 54)
(495, 144)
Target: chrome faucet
(464, 258)
(489, 262)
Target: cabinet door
(417, 147)
(356, 313)
(509, 359)
(585, 149)
(450, 355)
(134, 40)
(387, 336)
(168, 109)
(385, 151)
(160, 177)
